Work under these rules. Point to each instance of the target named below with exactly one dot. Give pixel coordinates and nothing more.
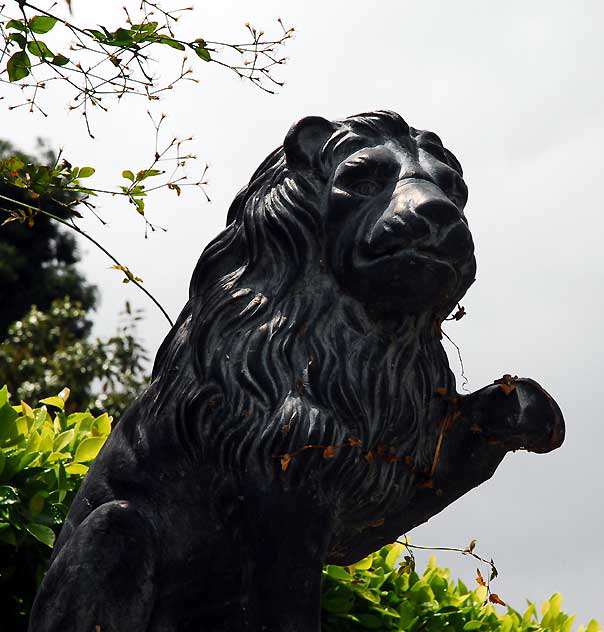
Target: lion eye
(365, 187)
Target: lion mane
(269, 355)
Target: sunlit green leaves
(63, 439)
(378, 594)
(42, 533)
(88, 449)
(54, 401)
(42, 457)
(41, 24)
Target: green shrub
(376, 595)
(45, 350)
(43, 458)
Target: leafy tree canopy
(37, 266)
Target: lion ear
(305, 139)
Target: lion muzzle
(422, 218)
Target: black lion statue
(302, 409)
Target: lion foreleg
(102, 579)
(515, 413)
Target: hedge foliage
(45, 453)
(378, 594)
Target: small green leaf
(59, 60)
(103, 424)
(396, 550)
(98, 35)
(74, 418)
(41, 24)
(47, 436)
(54, 401)
(148, 27)
(9, 428)
(39, 49)
(203, 53)
(19, 25)
(3, 396)
(41, 532)
(338, 572)
(147, 173)
(171, 42)
(62, 440)
(472, 625)
(364, 564)
(122, 38)
(128, 174)
(88, 449)
(86, 172)
(18, 66)
(19, 38)
(76, 469)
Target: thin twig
(95, 242)
(465, 381)
(469, 550)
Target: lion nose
(428, 201)
(420, 215)
(449, 233)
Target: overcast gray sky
(515, 90)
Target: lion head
(308, 354)
(396, 236)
